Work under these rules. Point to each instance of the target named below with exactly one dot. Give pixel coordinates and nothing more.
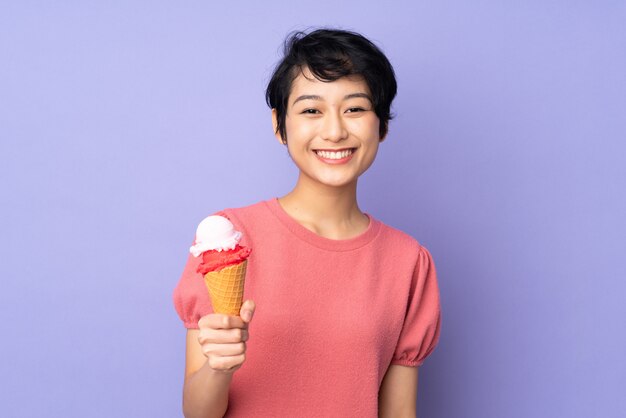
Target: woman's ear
(275, 126)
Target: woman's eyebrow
(316, 97)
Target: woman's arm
(397, 397)
(214, 352)
(205, 393)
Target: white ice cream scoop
(215, 233)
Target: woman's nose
(333, 128)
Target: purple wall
(506, 159)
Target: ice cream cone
(226, 288)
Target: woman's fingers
(224, 350)
(247, 310)
(222, 336)
(226, 364)
(220, 321)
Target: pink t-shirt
(331, 315)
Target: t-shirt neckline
(317, 240)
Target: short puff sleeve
(191, 297)
(422, 323)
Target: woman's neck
(331, 212)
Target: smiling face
(332, 129)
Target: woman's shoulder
(248, 215)
(393, 236)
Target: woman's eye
(356, 109)
(310, 111)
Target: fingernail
(247, 315)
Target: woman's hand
(223, 338)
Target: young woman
(345, 307)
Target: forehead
(306, 83)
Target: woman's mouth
(335, 156)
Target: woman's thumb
(247, 310)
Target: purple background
(123, 124)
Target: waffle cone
(226, 288)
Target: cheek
(299, 130)
(375, 126)
(367, 126)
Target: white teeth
(334, 155)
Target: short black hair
(331, 54)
